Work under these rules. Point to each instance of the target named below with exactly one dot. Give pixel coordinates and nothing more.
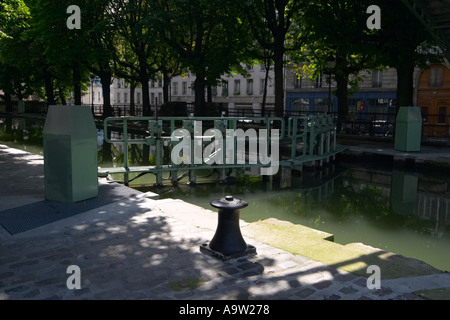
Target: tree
(169, 66)
(100, 43)
(208, 37)
(262, 51)
(14, 79)
(62, 47)
(272, 25)
(404, 49)
(13, 14)
(335, 31)
(128, 18)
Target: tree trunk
(266, 82)
(77, 84)
(146, 110)
(49, 90)
(144, 78)
(166, 87)
(342, 96)
(61, 96)
(209, 94)
(199, 88)
(132, 90)
(105, 79)
(279, 90)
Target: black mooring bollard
(227, 242)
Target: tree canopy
(142, 40)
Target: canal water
(401, 211)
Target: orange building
(433, 98)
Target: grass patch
(353, 257)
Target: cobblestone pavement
(141, 248)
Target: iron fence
(359, 123)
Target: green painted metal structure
(311, 139)
(408, 129)
(70, 154)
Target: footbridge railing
(313, 138)
(221, 143)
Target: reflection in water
(404, 189)
(403, 212)
(21, 133)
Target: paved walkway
(138, 247)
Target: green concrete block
(70, 154)
(408, 129)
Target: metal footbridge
(298, 141)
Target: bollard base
(204, 248)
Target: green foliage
(334, 31)
(210, 38)
(13, 15)
(141, 39)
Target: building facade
(94, 95)
(240, 95)
(433, 98)
(377, 93)
(243, 95)
(375, 99)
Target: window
(436, 77)
(320, 105)
(99, 97)
(225, 88)
(192, 88)
(237, 87)
(377, 78)
(424, 111)
(175, 88)
(125, 97)
(184, 88)
(301, 105)
(442, 114)
(318, 82)
(261, 86)
(249, 86)
(297, 82)
(138, 98)
(118, 97)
